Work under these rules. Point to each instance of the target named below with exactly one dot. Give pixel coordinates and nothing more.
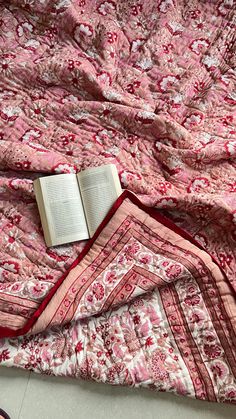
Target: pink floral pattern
(155, 96)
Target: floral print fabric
(148, 86)
(144, 306)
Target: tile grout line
(23, 398)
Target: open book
(72, 206)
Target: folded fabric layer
(142, 305)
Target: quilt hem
(6, 332)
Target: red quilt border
(153, 212)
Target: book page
(64, 209)
(100, 187)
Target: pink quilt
(149, 86)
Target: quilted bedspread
(149, 86)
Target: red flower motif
(231, 395)
(164, 186)
(225, 259)
(165, 263)
(73, 63)
(37, 111)
(167, 48)
(66, 139)
(149, 341)
(106, 112)
(192, 300)
(145, 259)
(51, 32)
(4, 355)
(194, 14)
(212, 351)
(132, 86)
(111, 37)
(219, 369)
(15, 219)
(79, 347)
(38, 290)
(25, 165)
(136, 319)
(136, 9)
(131, 250)
(173, 271)
(90, 298)
(136, 83)
(98, 291)
(110, 277)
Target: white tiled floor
(29, 396)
